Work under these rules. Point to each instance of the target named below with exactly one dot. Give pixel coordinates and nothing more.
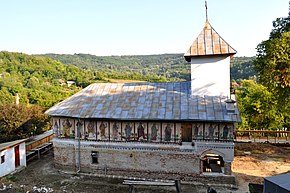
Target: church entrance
(186, 132)
(212, 163)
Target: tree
(257, 106)
(21, 121)
(272, 64)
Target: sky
(132, 27)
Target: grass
(11, 178)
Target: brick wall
(171, 162)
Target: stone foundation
(160, 161)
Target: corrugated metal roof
(209, 42)
(143, 101)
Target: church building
(157, 130)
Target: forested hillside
(43, 81)
(38, 80)
(173, 67)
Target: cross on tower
(206, 11)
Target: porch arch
(212, 161)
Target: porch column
(228, 168)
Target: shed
(277, 184)
(12, 156)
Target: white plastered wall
(22, 152)
(9, 165)
(210, 76)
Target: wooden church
(145, 129)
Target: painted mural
(154, 132)
(90, 130)
(177, 132)
(128, 131)
(66, 125)
(55, 127)
(115, 131)
(226, 131)
(197, 131)
(79, 125)
(138, 131)
(211, 131)
(141, 131)
(103, 130)
(167, 132)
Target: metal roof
(209, 42)
(10, 144)
(143, 101)
(282, 180)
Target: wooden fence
(39, 140)
(38, 145)
(278, 136)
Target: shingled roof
(209, 42)
(144, 101)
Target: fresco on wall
(67, 128)
(55, 125)
(154, 132)
(141, 131)
(103, 130)
(90, 131)
(79, 124)
(197, 130)
(167, 132)
(115, 131)
(211, 131)
(177, 132)
(226, 131)
(127, 131)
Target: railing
(38, 145)
(39, 140)
(262, 136)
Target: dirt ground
(252, 162)
(264, 160)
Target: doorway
(186, 132)
(17, 156)
(212, 163)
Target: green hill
(42, 79)
(171, 66)
(38, 80)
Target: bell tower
(210, 56)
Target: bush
(21, 121)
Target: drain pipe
(79, 145)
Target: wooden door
(186, 132)
(17, 156)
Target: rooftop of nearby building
(281, 180)
(144, 101)
(10, 144)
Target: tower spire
(206, 11)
